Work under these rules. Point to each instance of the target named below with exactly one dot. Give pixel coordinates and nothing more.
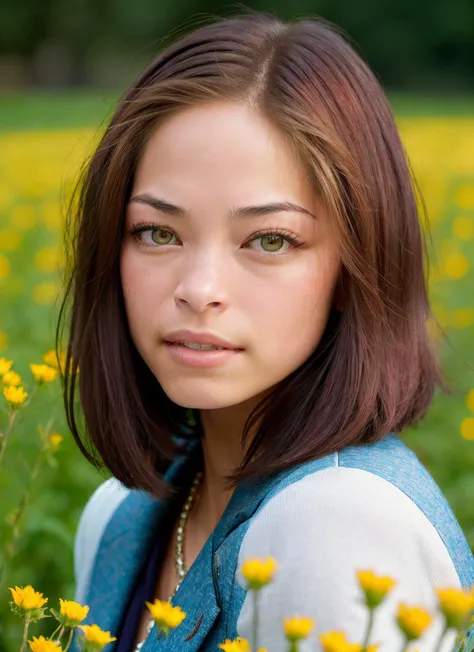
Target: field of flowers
(44, 482)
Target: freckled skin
(209, 160)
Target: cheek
(143, 289)
(295, 297)
(291, 312)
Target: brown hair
(375, 369)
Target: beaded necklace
(180, 567)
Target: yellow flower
(456, 265)
(97, 638)
(463, 227)
(456, 605)
(72, 612)
(166, 616)
(4, 267)
(27, 598)
(10, 239)
(45, 293)
(3, 341)
(259, 572)
(470, 400)
(47, 259)
(461, 318)
(237, 645)
(11, 378)
(41, 644)
(413, 621)
(467, 428)
(43, 373)
(337, 642)
(297, 627)
(15, 396)
(375, 587)
(5, 365)
(52, 359)
(465, 197)
(23, 216)
(55, 439)
(333, 641)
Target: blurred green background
(62, 68)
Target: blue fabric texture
(145, 589)
(210, 594)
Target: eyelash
(290, 237)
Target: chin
(204, 396)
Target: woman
(251, 194)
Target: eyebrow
(243, 211)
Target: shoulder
(322, 529)
(350, 506)
(94, 518)
(381, 491)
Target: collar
(126, 544)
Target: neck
(222, 454)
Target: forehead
(221, 149)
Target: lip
(200, 359)
(199, 338)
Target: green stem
(255, 622)
(10, 547)
(58, 640)
(440, 641)
(33, 392)
(404, 644)
(71, 633)
(7, 433)
(23, 503)
(54, 633)
(25, 632)
(13, 414)
(293, 646)
(26, 496)
(368, 633)
(2, 570)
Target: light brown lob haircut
(375, 369)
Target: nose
(203, 281)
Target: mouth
(203, 357)
(200, 347)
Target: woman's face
(203, 266)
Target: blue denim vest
(209, 593)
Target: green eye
(271, 241)
(274, 242)
(159, 236)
